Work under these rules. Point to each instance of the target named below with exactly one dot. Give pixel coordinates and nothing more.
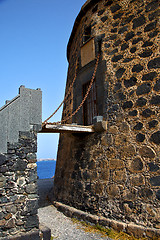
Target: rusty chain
(85, 97)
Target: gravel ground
(62, 227)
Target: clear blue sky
(33, 42)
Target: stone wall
(18, 169)
(116, 174)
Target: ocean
(46, 169)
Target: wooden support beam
(66, 128)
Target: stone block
(118, 226)
(137, 180)
(136, 165)
(116, 164)
(119, 176)
(135, 230)
(137, 22)
(105, 222)
(113, 190)
(147, 152)
(128, 151)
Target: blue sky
(33, 42)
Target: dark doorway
(90, 105)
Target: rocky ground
(62, 227)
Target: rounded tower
(115, 173)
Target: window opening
(90, 105)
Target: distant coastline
(45, 159)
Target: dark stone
(101, 12)
(133, 49)
(155, 100)
(145, 192)
(117, 58)
(31, 222)
(157, 86)
(155, 63)
(107, 45)
(147, 113)
(150, 26)
(149, 76)
(143, 89)
(152, 6)
(124, 46)
(131, 82)
(140, 137)
(122, 30)
(147, 152)
(154, 15)
(31, 207)
(137, 164)
(141, 102)
(113, 30)
(128, 104)
(138, 126)
(158, 194)
(137, 22)
(115, 24)
(108, 3)
(118, 15)
(115, 8)
(153, 123)
(113, 37)
(137, 68)
(135, 41)
(127, 20)
(153, 34)
(117, 43)
(155, 181)
(133, 113)
(113, 52)
(147, 44)
(117, 86)
(2, 159)
(146, 53)
(120, 96)
(103, 19)
(153, 167)
(120, 72)
(95, 9)
(129, 36)
(127, 60)
(155, 137)
(20, 165)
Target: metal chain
(85, 97)
(68, 92)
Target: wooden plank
(68, 128)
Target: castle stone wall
(20, 122)
(116, 174)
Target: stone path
(62, 227)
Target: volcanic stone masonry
(115, 174)
(20, 120)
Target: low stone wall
(131, 228)
(18, 169)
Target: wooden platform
(66, 128)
